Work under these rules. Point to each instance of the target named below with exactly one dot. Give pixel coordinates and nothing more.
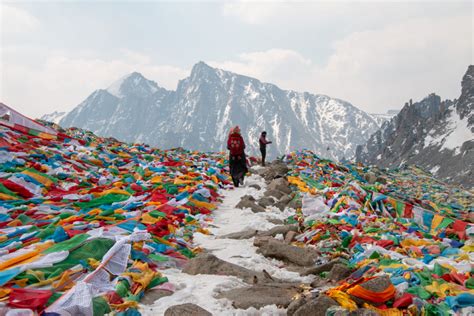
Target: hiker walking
(263, 145)
(237, 161)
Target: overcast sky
(376, 54)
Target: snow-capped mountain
(199, 114)
(54, 117)
(436, 135)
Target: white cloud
(253, 12)
(15, 20)
(283, 65)
(378, 69)
(60, 83)
(384, 68)
(397, 53)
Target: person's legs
(263, 151)
(232, 170)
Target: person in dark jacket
(263, 146)
(237, 161)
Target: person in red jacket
(263, 146)
(237, 161)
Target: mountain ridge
(433, 134)
(200, 112)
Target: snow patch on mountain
(459, 132)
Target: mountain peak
(201, 66)
(467, 83)
(201, 69)
(132, 84)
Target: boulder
(280, 229)
(322, 267)
(151, 296)
(261, 240)
(255, 186)
(270, 247)
(275, 170)
(280, 184)
(248, 201)
(248, 197)
(285, 199)
(261, 295)
(278, 168)
(377, 284)
(339, 272)
(276, 221)
(260, 171)
(187, 309)
(316, 307)
(318, 282)
(206, 263)
(277, 194)
(266, 201)
(294, 305)
(290, 236)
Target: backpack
(236, 145)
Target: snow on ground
(203, 289)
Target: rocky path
(248, 266)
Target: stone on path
(322, 268)
(339, 272)
(261, 295)
(273, 248)
(283, 202)
(266, 201)
(276, 221)
(290, 236)
(295, 304)
(248, 201)
(151, 296)
(280, 229)
(206, 263)
(255, 186)
(280, 184)
(275, 193)
(187, 309)
(277, 169)
(245, 234)
(316, 307)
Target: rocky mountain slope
(199, 114)
(436, 135)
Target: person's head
(264, 133)
(237, 129)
